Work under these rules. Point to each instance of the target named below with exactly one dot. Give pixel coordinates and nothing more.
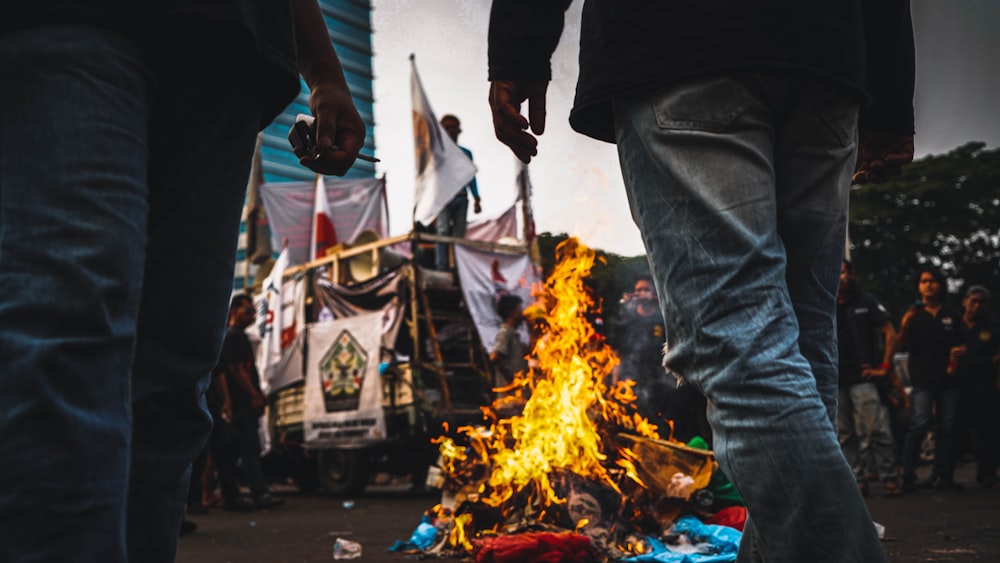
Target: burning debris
(566, 457)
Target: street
(929, 526)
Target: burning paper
(566, 451)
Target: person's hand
(881, 156)
(509, 125)
(337, 124)
(257, 402)
(227, 411)
(477, 206)
(957, 352)
(868, 372)
(908, 316)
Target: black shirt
(929, 343)
(859, 330)
(982, 341)
(630, 46)
(237, 350)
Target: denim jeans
(739, 187)
(450, 222)
(864, 432)
(121, 186)
(943, 403)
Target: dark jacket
(190, 39)
(630, 46)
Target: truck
(433, 372)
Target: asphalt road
(928, 526)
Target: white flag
(442, 168)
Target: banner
(442, 168)
(280, 319)
(492, 230)
(268, 304)
(485, 276)
(343, 394)
(355, 205)
(383, 293)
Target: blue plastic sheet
(714, 544)
(422, 538)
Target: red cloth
(536, 547)
(732, 516)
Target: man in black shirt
(978, 373)
(236, 365)
(638, 337)
(932, 334)
(862, 420)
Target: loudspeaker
(367, 265)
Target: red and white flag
(442, 168)
(323, 234)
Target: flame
(562, 425)
(562, 429)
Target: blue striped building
(349, 24)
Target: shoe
(196, 510)
(267, 501)
(891, 489)
(239, 505)
(187, 527)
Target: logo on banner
(342, 372)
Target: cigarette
(364, 157)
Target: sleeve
(473, 186)
(498, 344)
(522, 37)
(890, 66)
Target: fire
(567, 432)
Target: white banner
(442, 168)
(487, 275)
(355, 205)
(343, 395)
(492, 230)
(280, 320)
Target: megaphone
(367, 265)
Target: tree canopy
(944, 210)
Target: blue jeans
(450, 222)
(739, 188)
(121, 186)
(943, 403)
(864, 432)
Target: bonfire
(565, 463)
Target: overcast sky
(577, 181)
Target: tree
(944, 210)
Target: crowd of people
(951, 386)
(739, 128)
